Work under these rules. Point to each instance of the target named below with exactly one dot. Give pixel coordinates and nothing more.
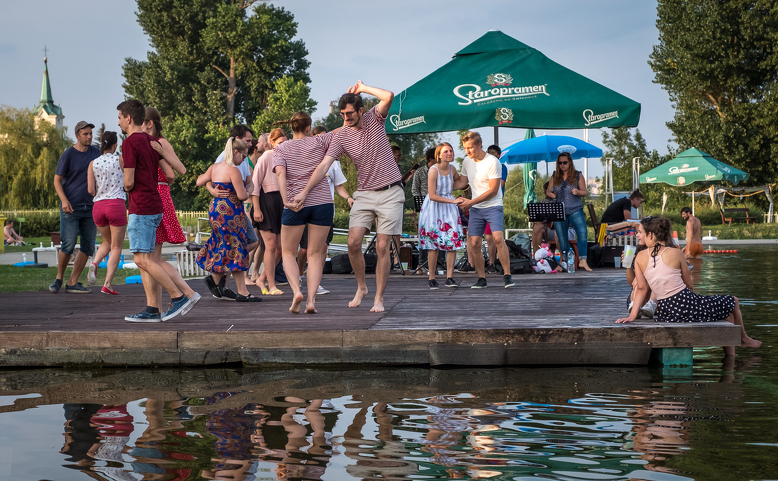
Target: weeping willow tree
(29, 151)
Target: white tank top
(109, 178)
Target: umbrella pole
(496, 137)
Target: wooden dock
(552, 319)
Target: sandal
(265, 291)
(274, 292)
(249, 298)
(215, 290)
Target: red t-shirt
(138, 154)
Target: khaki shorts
(385, 207)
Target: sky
(390, 44)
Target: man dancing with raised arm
(379, 195)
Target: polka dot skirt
(686, 306)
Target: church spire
(46, 109)
(46, 87)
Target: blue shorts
(479, 217)
(251, 234)
(79, 222)
(142, 230)
(321, 214)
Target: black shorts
(304, 238)
(272, 207)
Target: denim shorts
(142, 230)
(321, 214)
(251, 233)
(479, 218)
(79, 222)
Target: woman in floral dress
(440, 228)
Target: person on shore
(10, 235)
(169, 229)
(568, 187)
(693, 248)
(140, 181)
(440, 227)
(483, 173)
(227, 248)
(663, 269)
(621, 210)
(268, 208)
(294, 162)
(75, 214)
(105, 184)
(336, 181)
(379, 195)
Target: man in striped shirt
(379, 196)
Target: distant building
(46, 110)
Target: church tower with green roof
(46, 110)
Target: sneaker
(77, 288)
(215, 290)
(55, 286)
(144, 316)
(648, 309)
(91, 278)
(629, 310)
(491, 269)
(509, 281)
(190, 304)
(108, 290)
(434, 284)
(481, 284)
(320, 290)
(466, 268)
(181, 307)
(450, 282)
(228, 294)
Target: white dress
(440, 227)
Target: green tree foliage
(290, 96)
(718, 61)
(28, 160)
(213, 63)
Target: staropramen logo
(499, 87)
(592, 118)
(503, 115)
(405, 123)
(681, 180)
(682, 170)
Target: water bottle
(24, 257)
(570, 261)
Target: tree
(28, 159)
(717, 60)
(290, 96)
(213, 63)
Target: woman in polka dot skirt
(664, 270)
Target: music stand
(417, 202)
(546, 211)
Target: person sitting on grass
(663, 269)
(11, 237)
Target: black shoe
(466, 268)
(55, 286)
(490, 269)
(215, 291)
(434, 284)
(481, 284)
(450, 282)
(249, 298)
(509, 281)
(77, 288)
(228, 294)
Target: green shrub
(37, 225)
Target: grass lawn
(18, 279)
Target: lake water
(713, 421)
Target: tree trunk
(231, 89)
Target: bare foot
(357, 300)
(582, 264)
(249, 282)
(378, 306)
(296, 301)
(309, 309)
(750, 342)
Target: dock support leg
(673, 356)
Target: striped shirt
(300, 158)
(370, 151)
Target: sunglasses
(560, 162)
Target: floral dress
(440, 227)
(226, 249)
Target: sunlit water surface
(714, 421)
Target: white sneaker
(629, 310)
(91, 278)
(648, 309)
(322, 290)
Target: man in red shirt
(380, 195)
(140, 181)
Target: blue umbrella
(546, 149)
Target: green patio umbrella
(691, 166)
(501, 82)
(530, 172)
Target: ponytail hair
(661, 228)
(152, 115)
(234, 144)
(299, 122)
(107, 141)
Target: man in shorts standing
(693, 248)
(484, 174)
(140, 181)
(75, 214)
(380, 195)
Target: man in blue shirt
(75, 215)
